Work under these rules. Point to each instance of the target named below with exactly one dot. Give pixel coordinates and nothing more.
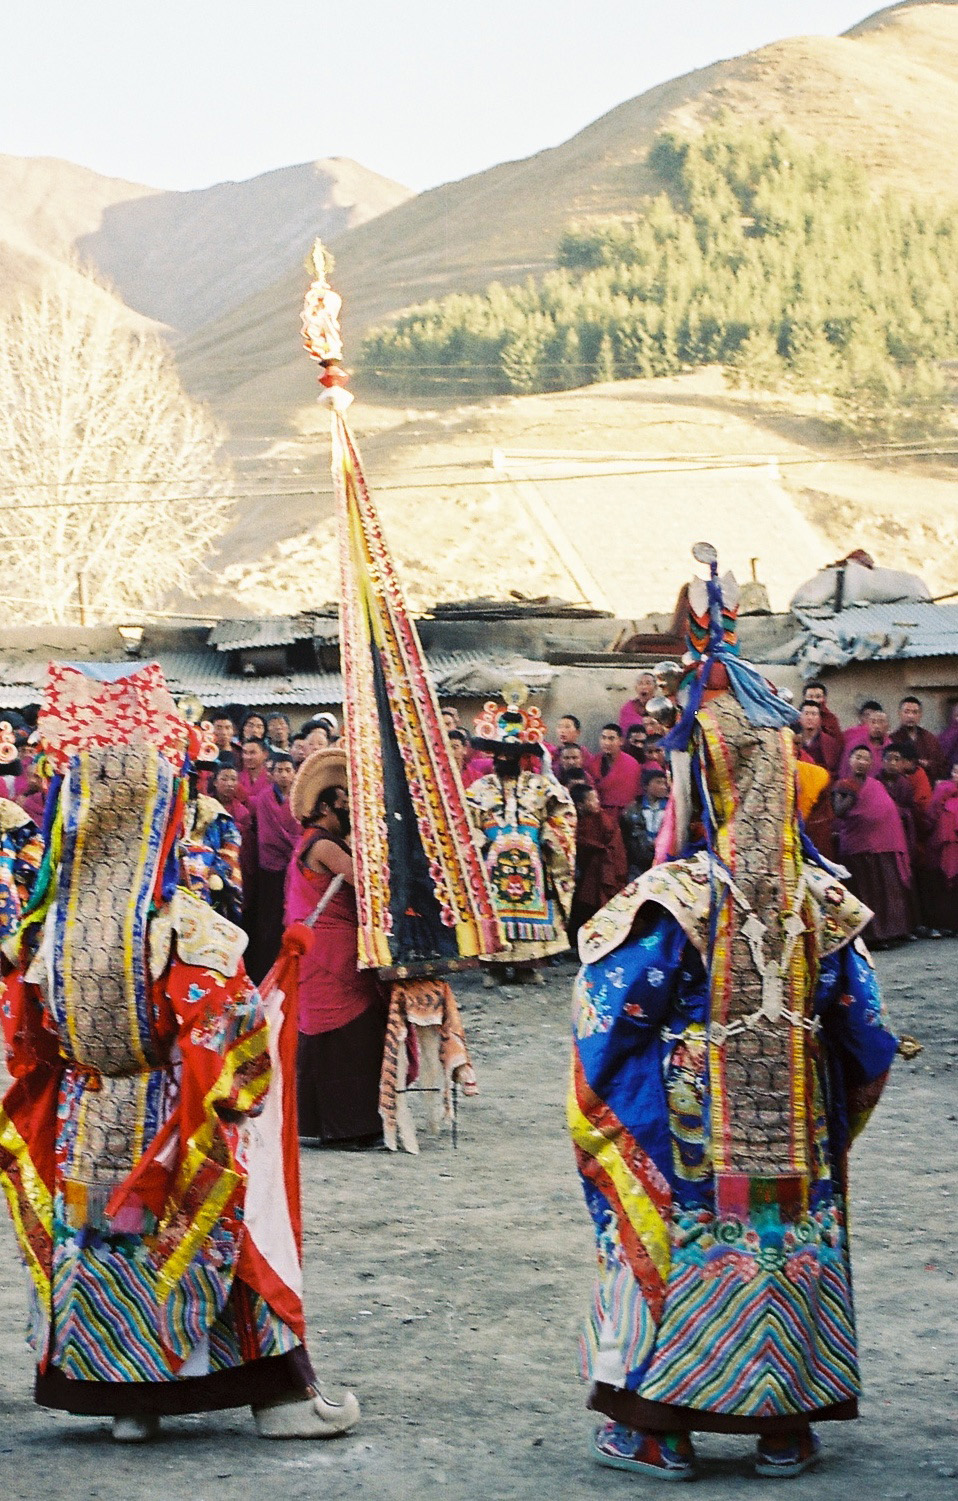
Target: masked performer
(139, 1050)
(527, 824)
(729, 1045)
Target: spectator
(210, 849)
(816, 693)
(568, 731)
(635, 739)
(571, 760)
(908, 784)
(943, 855)
(617, 777)
(297, 748)
(254, 727)
(450, 717)
(315, 736)
(872, 844)
(872, 733)
(813, 786)
(655, 750)
(278, 731)
(12, 784)
(323, 720)
(910, 732)
(461, 747)
(253, 777)
(948, 740)
(273, 836)
(642, 820)
(821, 747)
(19, 728)
(633, 710)
(33, 793)
(224, 733)
(226, 791)
(600, 861)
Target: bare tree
(111, 486)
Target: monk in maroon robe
(617, 776)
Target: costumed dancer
(161, 1235)
(527, 825)
(422, 898)
(729, 1044)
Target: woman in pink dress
(342, 1009)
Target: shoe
(489, 982)
(666, 1456)
(782, 1458)
(310, 1416)
(536, 977)
(934, 933)
(133, 1429)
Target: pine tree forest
(779, 262)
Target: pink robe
(873, 826)
(332, 991)
(859, 736)
(630, 713)
(620, 785)
(943, 841)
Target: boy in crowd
(642, 820)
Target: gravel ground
(447, 1290)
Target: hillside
(186, 258)
(885, 95)
(598, 492)
(178, 259)
(46, 207)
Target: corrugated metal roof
(206, 675)
(274, 630)
(914, 628)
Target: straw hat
(324, 768)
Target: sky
(190, 92)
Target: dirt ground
(447, 1291)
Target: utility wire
(731, 464)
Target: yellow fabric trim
(75, 876)
(38, 1195)
(197, 1154)
(128, 975)
(172, 1270)
(467, 938)
(639, 1209)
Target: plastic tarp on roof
(855, 584)
(905, 629)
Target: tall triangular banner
(423, 896)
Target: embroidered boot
(664, 1456)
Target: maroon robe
(872, 843)
(266, 853)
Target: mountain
(885, 94)
(186, 258)
(46, 207)
(177, 259)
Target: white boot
(307, 1417)
(132, 1429)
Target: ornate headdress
(510, 726)
(713, 658)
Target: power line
(661, 468)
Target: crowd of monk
(881, 800)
